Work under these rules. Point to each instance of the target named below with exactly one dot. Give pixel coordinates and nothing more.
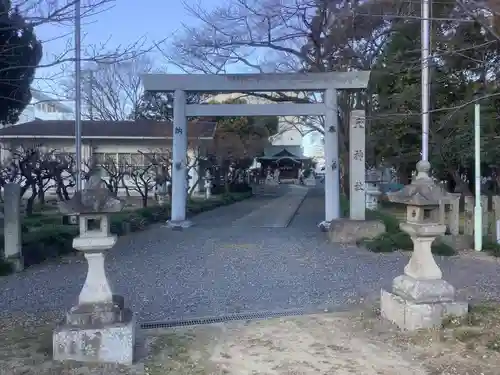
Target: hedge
(45, 237)
(395, 239)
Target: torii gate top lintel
(256, 82)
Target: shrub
(395, 239)
(491, 247)
(391, 222)
(47, 242)
(344, 206)
(5, 267)
(380, 244)
(440, 248)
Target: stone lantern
(98, 328)
(420, 298)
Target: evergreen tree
(20, 54)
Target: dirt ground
(358, 342)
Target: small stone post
(452, 220)
(496, 211)
(420, 298)
(99, 328)
(486, 215)
(12, 226)
(454, 214)
(469, 215)
(208, 185)
(162, 185)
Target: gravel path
(213, 268)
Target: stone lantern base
(96, 333)
(412, 314)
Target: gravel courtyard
(216, 268)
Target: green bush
(47, 242)
(344, 206)
(5, 267)
(440, 248)
(395, 239)
(391, 222)
(390, 242)
(491, 247)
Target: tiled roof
(107, 129)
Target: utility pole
(425, 47)
(78, 97)
(90, 97)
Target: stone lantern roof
(95, 198)
(421, 192)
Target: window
(123, 160)
(99, 157)
(136, 159)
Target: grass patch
(491, 247)
(172, 354)
(479, 329)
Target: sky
(126, 22)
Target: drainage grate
(222, 319)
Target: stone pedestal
(96, 333)
(420, 298)
(99, 328)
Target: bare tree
(112, 92)
(143, 180)
(114, 173)
(290, 36)
(55, 66)
(37, 170)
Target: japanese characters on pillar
(357, 165)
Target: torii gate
(328, 82)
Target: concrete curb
(296, 209)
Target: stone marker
(420, 298)
(98, 328)
(357, 168)
(12, 226)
